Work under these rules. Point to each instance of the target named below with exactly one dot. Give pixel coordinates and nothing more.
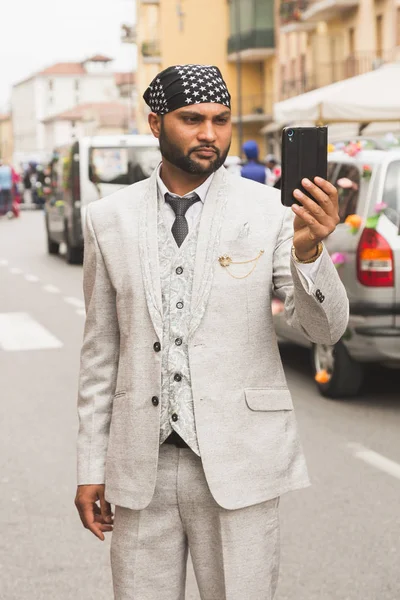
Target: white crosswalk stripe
(19, 331)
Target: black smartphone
(304, 154)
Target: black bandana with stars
(183, 85)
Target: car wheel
(342, 376)
(74, 255)
(52, 247)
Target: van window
(74, 183)
(391, 192)
(122, 166)
(347, 182)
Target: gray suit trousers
(235, 553)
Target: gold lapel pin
(226, 261)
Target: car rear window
(347, 181)
(391, 192)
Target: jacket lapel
(208, 246)
(148, 245)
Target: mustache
(206, 147)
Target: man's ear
(155, 124)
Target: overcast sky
(37, 33)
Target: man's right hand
(98, 519)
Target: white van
(89, 169)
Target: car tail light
(375, 265)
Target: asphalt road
(340, 538)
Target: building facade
(6, 138)
(268, 50)
(59, 88)
(235, 35)
(339, 39)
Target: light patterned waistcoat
(176, 274)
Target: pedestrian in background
(6, 187)
(186, 420)
(273, 169)
(253, 169)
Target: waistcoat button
(175, 417)
(179, 305)
(178, 342)
(157, 347)
(155, 401)
(179, 270)
(177, 377)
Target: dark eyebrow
(192, 114)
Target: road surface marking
(3, 262)
(77, 302)
(16, 271)
(52, 289)
(81, 312)
(32, 278)
(19, 331)
(376, 460)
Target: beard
(173, 154)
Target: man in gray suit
(186, 421)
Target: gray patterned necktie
(180, 228)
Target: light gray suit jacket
(244, 414)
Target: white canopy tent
(368, 98)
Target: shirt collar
(201, 191)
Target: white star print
(204, 98)
(188, 100)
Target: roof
(68, 68)
(98, 58)
(125, 78)
(108, 114)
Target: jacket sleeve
(319, 311)
(99, 362)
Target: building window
(398, 28)
(283, 80)
(51, 85)
(77, 85)
(379, 36)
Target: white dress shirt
(193, 214)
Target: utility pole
(236, 8)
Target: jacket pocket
(119, 394)
(268, 399)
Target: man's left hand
(315, 219)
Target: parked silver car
(368, 260)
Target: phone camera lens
(290, 133)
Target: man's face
(196, 138)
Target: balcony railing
(303, 14)
(292, 11)
(128, 34)
(255, 107)
(151, 49)
(327, 73)
(256, 40)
